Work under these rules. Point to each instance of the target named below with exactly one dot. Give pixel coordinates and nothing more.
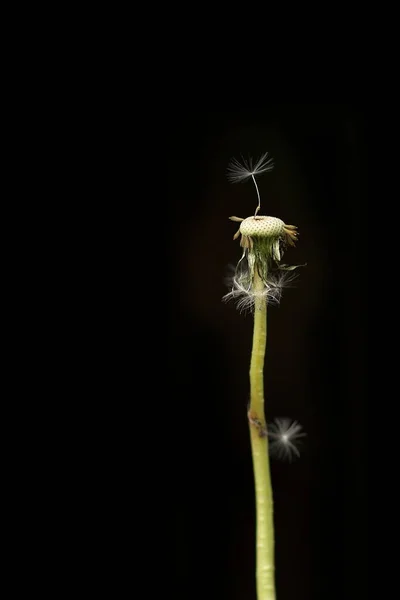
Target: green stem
(265, 569)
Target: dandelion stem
(265, 569)
(258, 194)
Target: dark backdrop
(315, 368)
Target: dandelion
(285, 438)
(258, 281)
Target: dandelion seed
(239, 172)
(285, 438)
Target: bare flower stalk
(265, 579)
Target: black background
(315, 369)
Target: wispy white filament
(242, 171)
(245, 296)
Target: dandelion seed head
(262, 226)
(285, 438)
